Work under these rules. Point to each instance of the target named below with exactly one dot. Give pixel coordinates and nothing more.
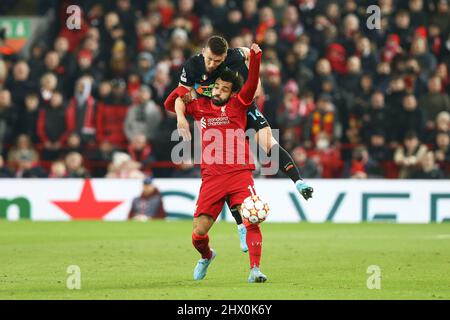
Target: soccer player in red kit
(199, 74)
(226, 171)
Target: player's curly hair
(233, 77)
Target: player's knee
(265, 139)
(202, 224)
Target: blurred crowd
(349, 101)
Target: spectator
(442, 147)
(36, 60)
(20, 84)
(74, 165)
(111, 115)
(73, 144)
(67, 61)
(419, 51)
(8, 118)
(100, 157)
(306, 57)
(442, 17)
(290, 116)
(143, 118)
(49, 84)
(53, 127)
(366, 54)
(58, 170)
(160, 85)
(443, 121)
(428, 168)
(23, 145)
(377, 115)
(308, 167)
(290, 27)
(146, 67)
(53, 65)
(85, 68)
(139, 150)
(352, 77)
(28, 119)
(124, 167)
(409, 155)
(266, 21)
(233, 25)
(409, 118)
(27, 167)
(361, 100)
(402, 28)
(379, 152)
(323, 120)
(418, 16)
(3, 70)
(250, 14)
(149, 205)
(434, 102)
(356, 168)
(81, 111)
(323, 73)
(5, 172)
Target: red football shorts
(215, 190)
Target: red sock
(201, 243)
(254, 243)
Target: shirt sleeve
(169, 103)
(187, 76)
(240, 55)
(192, 108)
(247, 92)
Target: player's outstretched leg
(242, 230)
(286, 164)
(254, 242)
(200, 240)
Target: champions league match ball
(254, 210)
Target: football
(254, 210)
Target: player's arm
(186, 83)
(174, 103)
(246, 53)
(182, 123)
(247, 92)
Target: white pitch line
(443, 236)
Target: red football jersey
(225, 148)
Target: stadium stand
(359, 102)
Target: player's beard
(219, 102)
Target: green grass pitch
(155, 260)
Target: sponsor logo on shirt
(203, 122)
(219, 121)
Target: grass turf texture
(155, 260)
